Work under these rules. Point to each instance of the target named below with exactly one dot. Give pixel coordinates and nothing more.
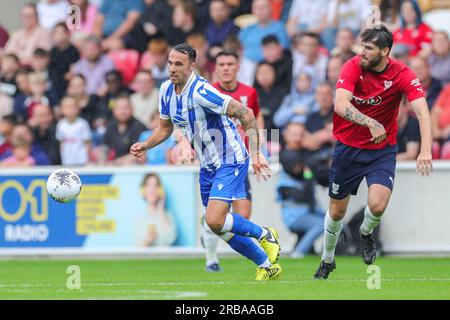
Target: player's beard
(370, 64)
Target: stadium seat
(436, 150)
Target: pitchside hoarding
(117, 209)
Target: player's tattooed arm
(347, 110)
(247, 118)
(354, 115)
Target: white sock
(369, 223)
(264, 233)
(331, 236)
(210, 241)
(228, 224)
(265, 264)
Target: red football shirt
(377, 95)
(248, 97)
(415, 39)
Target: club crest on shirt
(387, 84)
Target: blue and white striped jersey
(200, 112)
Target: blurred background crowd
(79, 85)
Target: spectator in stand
(4, 37)
(307, 53)
(221, 25)
(7, 124)
(334, 69)
(116, 19)
(440, 117)
(85, 27)
(153, 21)
(345, 45)
(40, 62)
(296, 192)
(307, 15)
(73, 133)
(297, 105)
(62, 56)
(88, 103)
(161, 154)
(203, 65)
(156, 60)
(23, 132)
(319, 124)
(413, 32)
(39, 94)
(351, 14)
(439, 58)
(184, 22)
(146, 98)
(52, 12)
(251, 36)
(22, 93)
(431, 86)
(408, 135)
(24, 41)
(270, 95)
(21, 155)
(122, 132)
(9, 67)
(93, 66)
(44, 132)
(239, 7)
(281, 59)
(6, 104)
(115, 88)
(125, 60)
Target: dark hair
(227, 53)
(40, 53)
(10, 118)
(379, 35)
(311, 35)
(186, 49)
(145, 71)
(79, 75)
(417, 11)
(270, 39)
(114, 73)
(61, 25)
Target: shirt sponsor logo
(372, 101)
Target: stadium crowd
(80, 89)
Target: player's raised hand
(378, 132)
(261, 167)
(138, 150)
(424, 163)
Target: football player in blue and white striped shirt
(202, 113)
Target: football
(64, 185)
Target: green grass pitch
(174, 279)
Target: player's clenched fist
(138, 150)
(378, 132)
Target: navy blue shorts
(351, 165)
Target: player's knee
(337, 215)
(377, 207)
(214, 224)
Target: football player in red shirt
(368, 94)
(227, 67)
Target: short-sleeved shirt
(248, 96)
(415, 39)
(199, 111)
(377, 95)
(116, 11)
(121, 142)
(73, 136)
